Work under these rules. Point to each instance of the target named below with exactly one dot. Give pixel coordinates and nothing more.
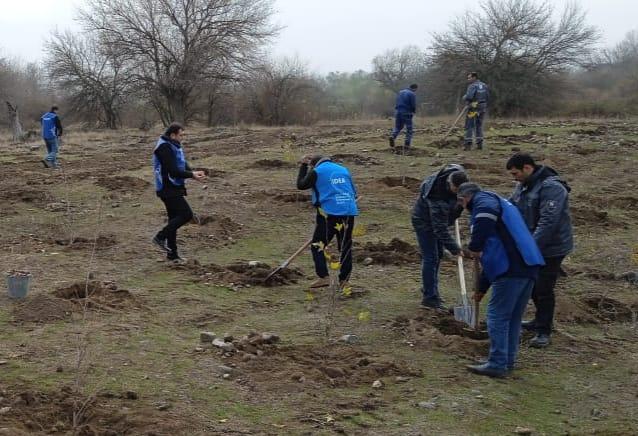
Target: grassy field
(130, 354)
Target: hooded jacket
(543, 200)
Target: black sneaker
(438, 306)
(161, 243)
(486, 369)
(529, 325)
(391, 139)
(540, 341)
(176, 260)
(46, 163)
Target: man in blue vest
(335, 197)
(51, 131)
(543, 199)
(405, 108)
(475, 98)
(510, 261)
(434, 211)
(171, 171)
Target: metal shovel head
(465, 314)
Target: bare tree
(173, 46)
(94, 75)
(395, 69)
(518, 49)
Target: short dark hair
(54, 108)
(173, 128)
(457, 178)
(414, 86)
(315, 159)
(474, 75)
(468, 189)
(519, 160)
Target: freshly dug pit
(271, 163)
(31, 196)
(79, 243)
(396, 252)
(610, 309)
(448, 143)
(98, 295)
(407, 182)
(123, 183)
(41, 308)
(355, 159)
(586, 215)
(255, 275)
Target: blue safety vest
(178, 153)
(49, 127)
(495, 260)
(334, 192)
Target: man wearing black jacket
(171, 171)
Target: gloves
(474, 104)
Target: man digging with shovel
(334, 195)
(510, 261)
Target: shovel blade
(465, 314)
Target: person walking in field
(170, 171)
(475, 98)
(405, 108)
(543, 199)
(51, 132)
(335, 197)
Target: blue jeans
(504, 314)
(52, 150)
(474, 127)
(431, 253)
(403, 119)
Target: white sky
(332, 35)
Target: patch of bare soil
(123, 183)
(41, 308)
(99, 296)
(396, 252)
(27, 412)
(355, 159)
(610, 309)
(586, 215)
(211, 172)
(597, 131)
(410, 183)
(570, 310)
(242, 273)
(408, 151)
(289, 367)
(15, 194)
(219, 225)
(271, 163)
(627, 203)
(102, 242)
(448, 143)
(284, 196)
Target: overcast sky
(331, 35)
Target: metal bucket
(18, 285)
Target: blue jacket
(499, 232)
(436, 209)
(170, 168)
(543, 200)
(334, 191)
(406, 101)
(51, 127)
(477, 92)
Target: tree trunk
(14, 116)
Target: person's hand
(470, 254)
(478, 296)
(199, 175)
(305, 160)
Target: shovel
(286, 262)
(464, 313)
(454, 123)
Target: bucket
(18, 284)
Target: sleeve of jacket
(469, 94)
(413, 102)
(553, 199)
(58, 126)
(306, 179)
(439, 217)
(167, 159)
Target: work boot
(435, 305)
(488, 370)
(485, 361)
(161, 243)
(321, 282)
(46, 163)
(541, 340)
(529, 325)
(391, 141)
(177, 260)
(467, 147)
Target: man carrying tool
(475, 99)
(51, 131)
(434, 210)
(405, 108)
(510, 261)
(170, 170)
(543, 200)
(335, 197)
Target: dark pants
(403, 119)
(325, 230)
(179, 213)
(543, 294)
(431, 253)
(474, 127)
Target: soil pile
(396, 252)
(123, 183)
(41, 308)
(80, 243)
(98, 296)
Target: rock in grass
(349, 339)
(269, 338)
(226, 346)
(377, 384)
(205, 337)
(523, 431)
(430, 405)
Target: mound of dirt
(211, 172)
(283, 196)
(396, 252)
(355, 159)
(41, 308)
(332, 365)
(569, 310)
(31, 196)
(79, 243)
(123, 183)
(610, 309)
(98, 295)
(586, 215)
(598, 131)
(246, 273)
(219, 224)
(407, 182)
(271, 163)
(448, 143)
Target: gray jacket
(435, 208)
(544, 203)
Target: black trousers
(179, 213)
(325, 230)
(543, 294)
